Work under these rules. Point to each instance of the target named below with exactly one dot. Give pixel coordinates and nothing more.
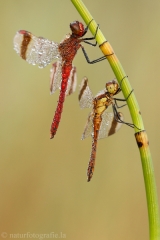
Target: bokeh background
(43, 182)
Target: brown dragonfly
(40, 51)
(100, 123)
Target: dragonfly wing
(35, 50)
(101, 92)
(88, 127)
(72, 81)
(109, 125)
(55, 76)
(85, 95)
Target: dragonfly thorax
(77, 29)
(100, 104)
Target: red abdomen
(66, 69)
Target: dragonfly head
(112, 87)
(77, 29)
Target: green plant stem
(141, 136)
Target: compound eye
(77, 28)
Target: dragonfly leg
(92, 44)
(96, 60)
(86, 29)
(124, 100)
(122, 80)
(91, 38)
(118, 119)
(85, 40)
(117, 104)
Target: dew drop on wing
(17, 42)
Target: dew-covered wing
(88, 130)
(56, 78)
(35, 50)
(109, 125)
(72, 82)
(103, 91)
(85, 95)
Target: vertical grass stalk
(140, 133)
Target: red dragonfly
(40, 51)
(100, 123)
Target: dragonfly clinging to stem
(40, 51)
(100, 123)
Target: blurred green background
(43, 182)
